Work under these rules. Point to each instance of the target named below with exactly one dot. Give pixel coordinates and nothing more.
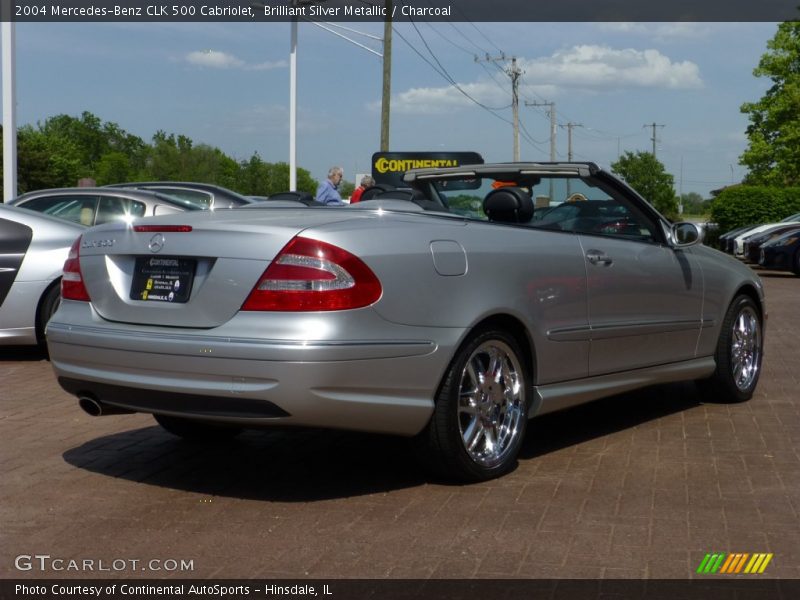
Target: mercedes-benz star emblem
(156, 243)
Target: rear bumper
(384, 386)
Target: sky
(227, 85)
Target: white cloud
(215, 59)
(439, 100)
(602, 68)
(591, 69)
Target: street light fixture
(293, 95)
(293, 89)
(385, 56)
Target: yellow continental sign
(401, 165)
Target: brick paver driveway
(639, 485)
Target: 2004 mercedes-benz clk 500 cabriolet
(449, 312)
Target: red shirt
(357, 194)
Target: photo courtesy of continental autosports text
(163, 590)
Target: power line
(449, 78)
(654, 139)
(553, 125)
(418, 53)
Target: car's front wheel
(481, 411)
(739, 351)
(196, 431)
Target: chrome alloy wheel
(490, 403)
(746, 348)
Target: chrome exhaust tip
(93, 407)
(90, 406)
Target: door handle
(596, 257)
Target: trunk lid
(197, 278)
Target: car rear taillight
(309, 275)
(162, 228)
(72, 287)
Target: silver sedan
(442, 312)
(94, 206)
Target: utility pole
(569, 127)
(514, 72)
(654, 139)
(387, 77)
(553, 125)
(385, 56)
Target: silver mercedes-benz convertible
(450, 311)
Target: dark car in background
(203, 195)
(726, 239)
(782, 253)
(737, 246)
(94, 206)
(753, 243)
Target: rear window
(78, 208)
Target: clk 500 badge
(97, 243)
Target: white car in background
(33, 248)
(738, 242)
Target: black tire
(470, 413)
(47, 308)
(740, 349)
(197, 431)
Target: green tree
(63, 149)
(90, 139)
(694, 204)
(163, 159)
(114, 167)
(44, 161)
(773, 152)
(278, 179)
(346, 188)
(253, 176)
(644, 173)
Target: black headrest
(375, 190)
(508, 205)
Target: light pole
(293, 107)
(293, 94)
(9, 109)
(293, 87)
(293, 78)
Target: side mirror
(685, 234)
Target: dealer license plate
(163, 278)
